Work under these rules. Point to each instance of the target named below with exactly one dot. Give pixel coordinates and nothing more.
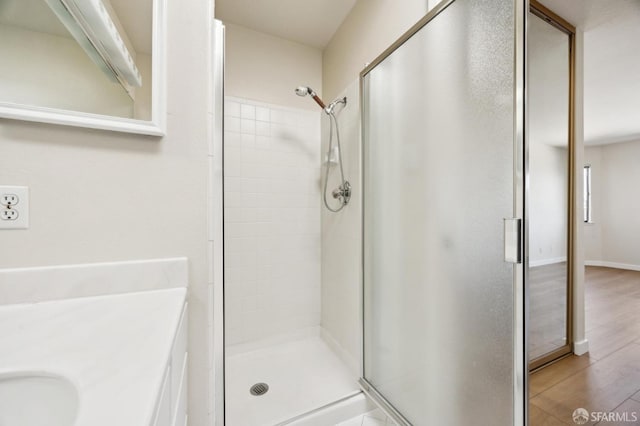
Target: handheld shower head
(305, 90)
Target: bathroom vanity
(112, 359)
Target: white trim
(544, 262)
(581, 347)
(154, 127)
(607, 264)
(78, 119)
(216, 220)
(159, 68)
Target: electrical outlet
(9, 200)
(9, 214)
(14, 207)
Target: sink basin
(37, 399)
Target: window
(587, 193)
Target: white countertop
(113, 348)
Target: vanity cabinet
(171, 407)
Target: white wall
(52, 71)
(142, 103)
(548, 201)
(272, 220)
(102, 196)
(614, 234)
(342, 238)
(370, 27)
(268, 69)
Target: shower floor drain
(259, 389)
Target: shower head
(305, 90)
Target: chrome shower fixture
(305, 90)
(332, 105)
(343, 192)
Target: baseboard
(615, 265)
(544, 262)
(581, 347)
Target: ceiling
(611, 66)
(308, 22)
(35, 15)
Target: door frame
(546, 14)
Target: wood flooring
(607, 379)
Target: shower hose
(333, 123)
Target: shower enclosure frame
(520, 210)
(215, 208)
(546, 14)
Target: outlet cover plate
(22, 207)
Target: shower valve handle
(343, 192)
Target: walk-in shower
(343, 192)
(290, 300)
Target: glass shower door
(443, 169)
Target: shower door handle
(513, 240)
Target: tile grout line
(597, 360)
(582, 369)
(548, 414)
(617, 406)
(617, 350)
(590, 365)
(566, 378)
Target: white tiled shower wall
(272, 220)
